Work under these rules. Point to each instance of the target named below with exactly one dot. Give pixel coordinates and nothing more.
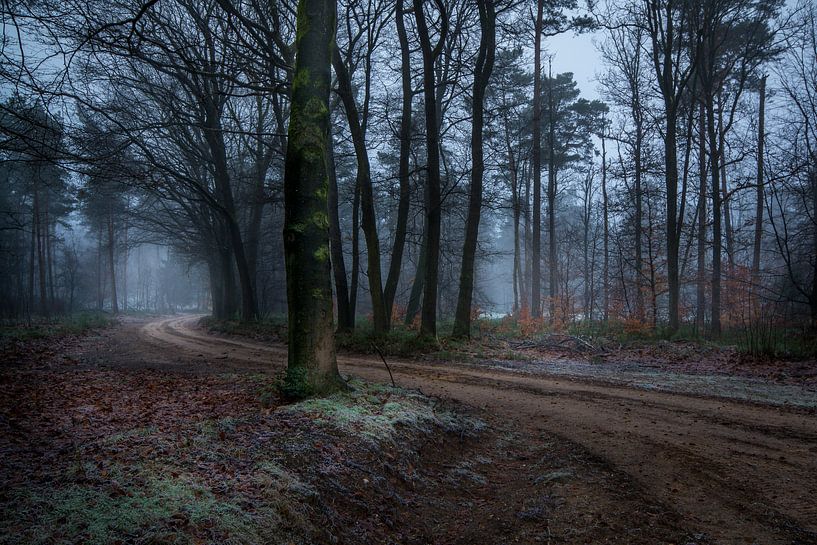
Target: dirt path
(735, 472)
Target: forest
(144, 151)
(234, 222)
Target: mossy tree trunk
(482, 74)
(312, 367)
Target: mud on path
(716, 469)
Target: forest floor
(156, 431)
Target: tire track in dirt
(740, 473)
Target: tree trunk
(41, 272)
(482, 75)
(364, 182)
(714, 164)
(670, 153)
(311, 367)
(700, 295)
(112, 263)
(100, 294)
(517, 209)
(32, 248)
(355, 280)
(759, 193)
(639, 235)
(216, 293)
(536, 250)
(215, 139)
(262, 158)
(587, 276)
(125, 266)
(399, 244)
(813, 177)
(415, 296)
(527, 274)
(49, 253)
(663, 34)
(227, 274)
(727, 215)
(553, 257)
(606, 206)
(346, 320)
(428, 323)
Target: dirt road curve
(736, 472)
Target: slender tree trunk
(813, 176)
(606, 212)
(700, 296)
(41, 270)
(262, 158)
(759, 194)
(428, 324)
(670, 152)
(663, 34)
(227, 275)
(536, 250)
(346, 320)
(398, 247)
(112, 263)
(725, 209)
(100, 295)
(714, 165)
(32, 248)
(215, 139)
(125, 255)
(527, 276)
(587, 303)
(364, 182)
(355, 280)
(415, 296)
(49, 252)
(216, 292)
(312, 367)
(482, 75)
(639, 234)
(553, 257)
(517, 251)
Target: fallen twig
(382, 357)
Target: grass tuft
(377, 412)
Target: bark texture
(311, 366)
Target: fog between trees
(144, 152)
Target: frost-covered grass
(148, 504)
(160, 499)
(378, 412)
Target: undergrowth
(759, 340)
(71, 324)
(271, 328)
